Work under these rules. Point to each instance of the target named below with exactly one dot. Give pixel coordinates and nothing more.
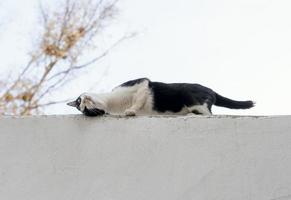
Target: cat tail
(229, 103)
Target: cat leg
(86, 102)
(200, 110)
(139, 99)
(196, 112)
(91, 101)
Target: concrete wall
(145, 158)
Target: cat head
(87, 106)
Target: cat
(144, 97)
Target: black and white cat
(144, 97)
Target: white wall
(78, 158)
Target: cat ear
(73, 104)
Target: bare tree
(66, 33)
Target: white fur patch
(203, 109)
(130, 100)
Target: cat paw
(130, 112)
(85, 101)
(87, 98)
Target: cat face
(76, 103)
(86, 105)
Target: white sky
(239, 48)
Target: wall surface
(145, 158)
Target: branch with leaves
(66, 34)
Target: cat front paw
(87, 98)
(130, 112)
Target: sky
(239, 48)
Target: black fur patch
(133, 82)
(78, 102)
(174, 96)
(93, 112)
